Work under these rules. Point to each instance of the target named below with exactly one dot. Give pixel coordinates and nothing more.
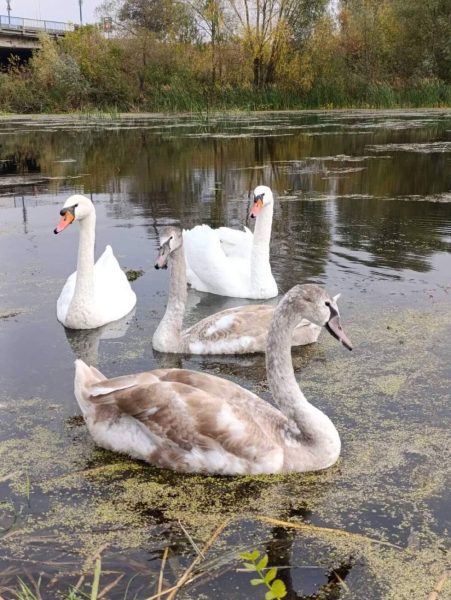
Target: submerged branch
(326, 530)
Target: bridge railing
(21, 24)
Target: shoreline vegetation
(427, 95)
(221, 55)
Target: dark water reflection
(364, 207)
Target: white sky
(53, 10)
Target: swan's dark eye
(327, 303)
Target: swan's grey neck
(167, 337)
(260, 266)
(84, 285)
(310, 421)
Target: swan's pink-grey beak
(164, 251)
(161, 262)
(334, 327)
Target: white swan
(98, 293)
(234, 263)
(233, 331)
(195, 422)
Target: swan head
(262, 197)
(171, 239)
(315, 304)
(76, 207)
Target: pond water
(363, 206)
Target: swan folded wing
(65, 297)
(209, 269)
(239, 329)
(107, 267)
(196, 431)
(104, 387)
(305, 332)
(235, 242)
(112, 289)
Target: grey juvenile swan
(233, 331)
(194, 422)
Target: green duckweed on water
(133, 275)
(388, 485)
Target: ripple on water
(426, 148)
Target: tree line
(247, 54)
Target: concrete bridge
(20, 36)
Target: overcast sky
(53, 10)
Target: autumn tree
(265, 27)
(213, 24)
(424, 41)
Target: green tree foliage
(167, 19)
(101, 65)
(424, 42)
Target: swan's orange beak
(67, 216)
(256, 207)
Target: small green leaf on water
(250, 555)
(269, 595)
(270, 575)
(249, 567)
(257, 581)
(278, 588)
(262, 564)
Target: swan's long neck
(84, 285)
(167, 337)
(316, 429)
(260, 266)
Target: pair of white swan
(190, 421)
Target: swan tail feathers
(85, 377)
(96, 373)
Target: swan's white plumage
(235, 242)
(209, 267)
(112, 292)
(98, 293)
(232, 263)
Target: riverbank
(213, 113)
(250, 100)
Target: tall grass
(186, 94)
(189, 98)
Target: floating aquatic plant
(258, 564)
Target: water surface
(363, 206)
